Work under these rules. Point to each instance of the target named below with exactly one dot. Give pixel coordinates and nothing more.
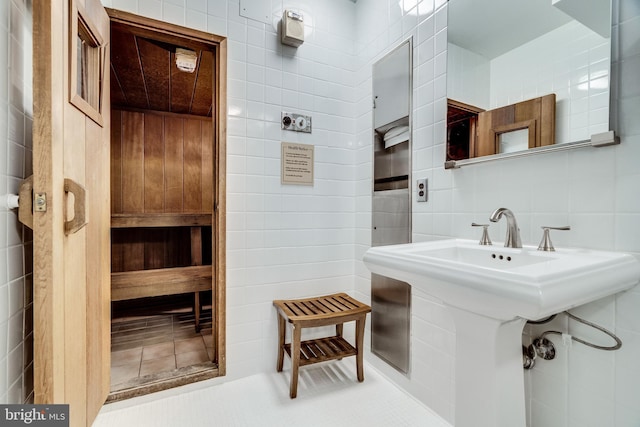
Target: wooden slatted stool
(314, 312)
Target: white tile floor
(328, 395)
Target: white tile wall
(285, 241)
(534, 70)
(472, 77)
(16, 364)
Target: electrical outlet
(422, 190)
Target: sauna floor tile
(161, 364)
(192, 358)
(158, 343)
(191, 344)
(158, 350)
(122, 374)
(126, 357)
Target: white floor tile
(328, 395)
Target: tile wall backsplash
(294, 241)
(16, 112)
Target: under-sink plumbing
(544, 348)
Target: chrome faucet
(513, 232)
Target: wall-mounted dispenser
(292, 28)
(391, 209)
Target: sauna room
(163, 166)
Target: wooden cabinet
(161, 205)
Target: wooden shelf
(165, 281)
(160, 220)
(323, 349)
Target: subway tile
(627, 233)
(216, 25)
(196, 20)
(197, 5)
(150, 8)
(217, 8)
(173, 13)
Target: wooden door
(71, 170)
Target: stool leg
(281, 335)
(360, 347)
(196, 310)
(339, 330)
(295, 360)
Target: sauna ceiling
(144, 74)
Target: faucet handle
(545, 243)
(484, 240)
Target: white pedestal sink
(492, 291)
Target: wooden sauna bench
(194, 279)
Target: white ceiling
(491, 28)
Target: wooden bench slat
(347, 302)
(157, 282)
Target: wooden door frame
(164, 31)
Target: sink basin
(506, 283)
(490, 291)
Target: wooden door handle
(79, 204)
(25, 203)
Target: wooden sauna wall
(161, 166)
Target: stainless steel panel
(391, 299)
(391, 77)
(391, 217)
(390, 321)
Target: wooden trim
(76, 14)
(530, 125)
(152, 27)
(219, 243)
(465, 107)
(164, 381)
(159, 220)
(547, 120)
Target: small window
(87, 66)
(88, 70)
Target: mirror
(504, 52)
